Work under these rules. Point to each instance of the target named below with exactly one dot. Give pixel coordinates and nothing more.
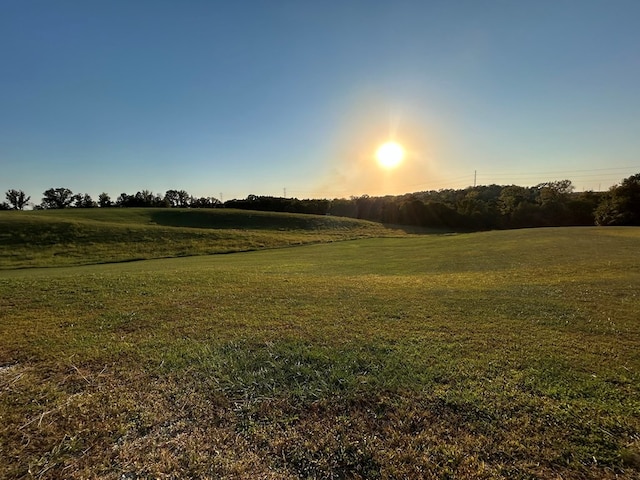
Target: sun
(390, 154)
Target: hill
(86, 236)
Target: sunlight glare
(390, 154)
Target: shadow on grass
(253, 220)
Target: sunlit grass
(88, 236)
(490, 355)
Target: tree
(124, 200)
(183, 198)
(85, 201)
(4, 206)
(145, 198)
(343, 207)
(582, 207)
(104, 200)
(171, 197)
(518, 206)
(177, 198)
(553, 198)
(622, 204)
(412, 211)
(476, 208)
(204, 202)
(58, 198)
(17, 199)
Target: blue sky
(231, 98)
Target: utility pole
(284, 190)
(475, 176)
(221, 200)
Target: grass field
(509, 354)
(103, 235)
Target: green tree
(622, 204)
(478, 209)
(553, 198)
(518, 206)
(17, 199)
(582, 207)
(57, 198)
(511, 197)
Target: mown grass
(89, 236)
(491, 355)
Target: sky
(293, 97)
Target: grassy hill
(509, 354)
(85, 236)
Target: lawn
(510, 354)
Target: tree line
(474, 208)
(56, 198)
